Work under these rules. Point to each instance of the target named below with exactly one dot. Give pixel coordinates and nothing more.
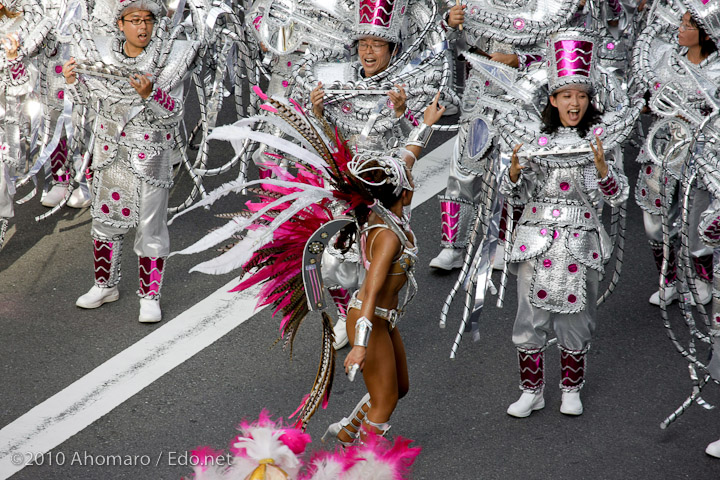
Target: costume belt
(391, 315)
(576, 216)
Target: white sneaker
(704, 290)
(448, 259)
(340, 332)
(713, 449)
(97, 296)
(78, 199)
(571, 404)
(671, 295)
(526, 404)
(55, 195)
(149, 311)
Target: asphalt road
(455, 409)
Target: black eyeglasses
(137, 21)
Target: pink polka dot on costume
(648, 170)
(595, 255)
(534, 210)
(168, 136)
(572, 268)
(556, 213)
(141, 156)
(102, 127)
(285, 83)
(116, 196)
(105, 209)
(586, 215)
(610, 46)
(598, 131)
(656, 86)
(658, 203)
(402, 11)
(106, 147)
(58, 69)
(346, 107)
(61, 94)
(564, 186)
(717, 319)
(572, 298)
(541, 294)
(122, 134)
(487, 83)
(556, 234)
(519, 23)
(147, 137)
(542, 141)
(126, 212)
(547, 263)
(289, 64)
(523, 248)
(576, 234)
(543, 231)
(643, 192)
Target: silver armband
(420, 136)
(363, 327)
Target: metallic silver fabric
(533, 325)
(152, 238)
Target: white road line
(71, 410)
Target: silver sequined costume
(135, 143)
(558, 245)
(16, 83)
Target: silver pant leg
(532, 325)
(152, 238)
(6, 192)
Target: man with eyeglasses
(137, 115)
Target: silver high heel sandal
(334, 429)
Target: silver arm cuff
(363, 327)
(420, 136)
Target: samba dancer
(136, 141)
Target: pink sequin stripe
(165, 100)
(609, 186)
(376, 12)
(57, 161)
(17, 70)
(616, 7)
(703, 267)
(103, 253)
(573, 57)
(150, 270)
(341, 297)
(671, 274)
(572, 364)
(712, 231)
(530, 59)
(411, 118)
(532, 367)
(450, 220)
